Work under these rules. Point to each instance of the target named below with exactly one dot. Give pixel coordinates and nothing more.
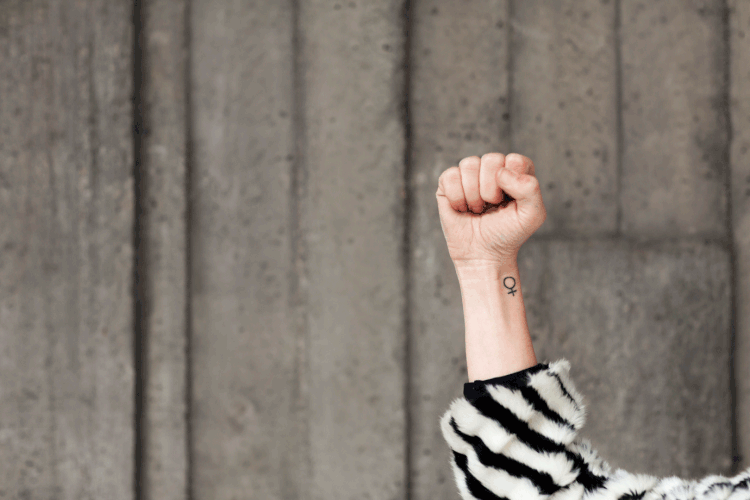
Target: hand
(488, 208)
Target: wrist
(497, 334)
(485, 271)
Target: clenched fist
(489, 207)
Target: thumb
(525, 189)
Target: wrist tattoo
(512, 285)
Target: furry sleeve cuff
(509, 435)
(514, 438)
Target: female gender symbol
(512, 290)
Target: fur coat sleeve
(515, 438)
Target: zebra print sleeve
(515, 438)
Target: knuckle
(493, 155)
(446, 174)
(531, 182)
(469, 162)
(453, 174)
(520, 160)
(449, 176)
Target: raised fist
(489, 207)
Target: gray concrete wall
(739, 192)
(222, 274)
(66, 240)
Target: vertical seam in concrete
(406, 243)
(726, 160)
(189, 199)
(298, 270)
(619, 140)
(95, 143)
(139, 254)
(509, 76)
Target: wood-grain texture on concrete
(162, 255)
(563, 111)
(739, 104)
(675, 130)
(351, 218)
(248, 367)
(66, 268)
(459, 107)
(646, 329)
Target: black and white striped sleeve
(515, 438)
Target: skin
(488, 208)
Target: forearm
(497, 333)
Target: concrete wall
(222, 274)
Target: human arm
(488, 207)
(514, 433)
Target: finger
(525, 189)
(488, 188)
(450, 190)
(519, 163)
(469, 168)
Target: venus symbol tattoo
(512, 286)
